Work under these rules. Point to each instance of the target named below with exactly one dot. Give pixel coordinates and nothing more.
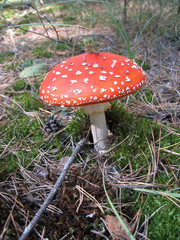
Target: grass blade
(112, 12)
(175, 195)
(142, 30)
(3, 4)
(115, 211)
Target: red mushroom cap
(91, 78)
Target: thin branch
(40, 212)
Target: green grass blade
(35, 24)
(39, 8)
(142, 30)
(115, 211)
(112, 12)
(175, 195)
(3, 4)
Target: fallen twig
(37, 216)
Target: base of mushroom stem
(106, 143)
(101, 150)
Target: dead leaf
(34, 70)
(115, 228)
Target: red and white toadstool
(91, 80)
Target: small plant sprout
(91, 80)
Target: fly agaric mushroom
(91, 80)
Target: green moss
(7, 166)
(61, 47)
(145, 65)
(24, 138)
(142, 132)
(164, 224)
(18, 129)
(40, 51)
(79, 124)
(123, 123)
(28, 102)
(19, 85)
(23, 85)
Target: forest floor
(145, 127)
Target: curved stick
(39, 213)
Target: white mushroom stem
(98, 124)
